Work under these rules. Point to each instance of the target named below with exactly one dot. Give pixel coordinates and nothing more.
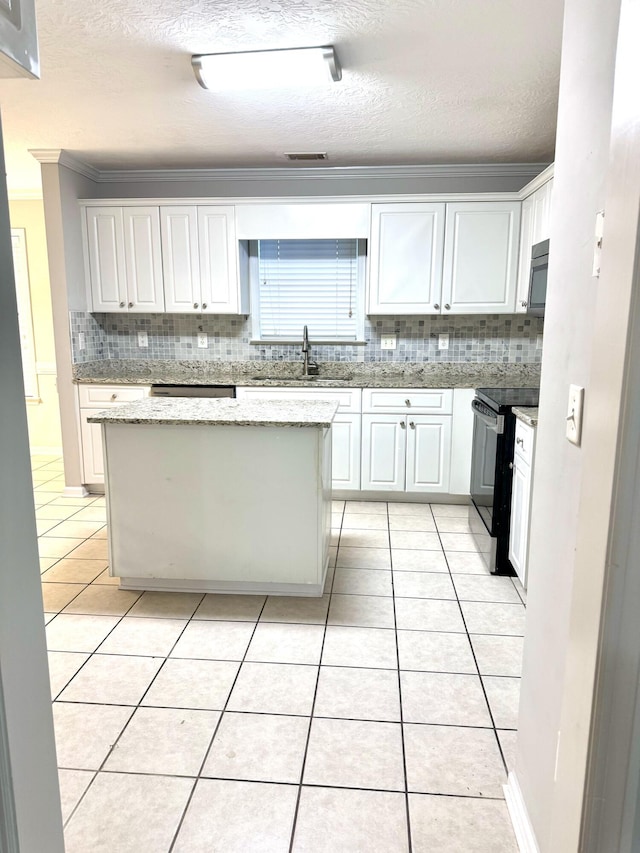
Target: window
(317, 283)
(25, 322)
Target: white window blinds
(308, 282)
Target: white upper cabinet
(123, 249)
(179, 226)
(143, 259)
(176, 258)
(534, 227)
(405, 258)
(481, 258)
(524, 260)
(221, 289)
(542, 212)
(200, 260)
(105, 256)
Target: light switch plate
(143, 339)
(574, 414)
(388, 341)
(443, 341)
(203, 340)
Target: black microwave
(538, 279)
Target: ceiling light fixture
(267, 69)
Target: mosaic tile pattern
(472, 338)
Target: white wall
(24, 678)
(584, 125)
(61, 189)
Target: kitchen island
(219, 495)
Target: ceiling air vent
(306, 156)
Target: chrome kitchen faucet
(309, 368)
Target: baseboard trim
(75, 492)
(45, 451)
(399, 497)
(520, 821)
(222, 587)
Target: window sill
(286, 342)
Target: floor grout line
(402, 724)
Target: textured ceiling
(424, 81)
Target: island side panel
(228, 504)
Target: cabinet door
(405, 263)
(519, 529)
(481, 258)
(383, 452)
(179, 229)
(542, 212)
(345, 438)
(106, 255)
(524, 262)
(219, 284)
(143, 259)
(428, 453)
(92, 458)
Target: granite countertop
(336, 374)
(220, 412)
(527, 414)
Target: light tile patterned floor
(379, 717)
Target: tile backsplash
(474, 338)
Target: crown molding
(323, 173)
(544, 177)
(61, 157)
(289, 173)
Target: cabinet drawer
(525, 440)
(348, 399)
(102, 396)
(422, 401)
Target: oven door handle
(495, 423)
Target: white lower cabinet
(406, 453)
(345, 452)
(92, 399)
(384, 450)
(521, 500)
(428, 453)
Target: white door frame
(600, 721)
(30, 802)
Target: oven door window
(538, 289)
(483, 466)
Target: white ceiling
(424, 81)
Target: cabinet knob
(407, 402)
(403, 425)
(512, 466)
(204, 304)
(412, 425)
(523, 303)
(447, 306)
(123, 305)
(195, 304)
(131, 305)
(520, 442)
(437, 307)
(114, 397)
